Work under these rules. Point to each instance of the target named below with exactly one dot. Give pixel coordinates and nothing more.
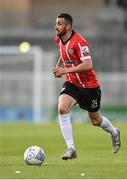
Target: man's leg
(106, 125)
(65, 104)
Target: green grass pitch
(95, 158)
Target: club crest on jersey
(70, 51)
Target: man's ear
(68, 27)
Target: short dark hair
(66, 16)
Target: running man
(81, 85)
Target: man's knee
(62, 110)
(95, 120)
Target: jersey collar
(64, 42)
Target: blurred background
(28, 89)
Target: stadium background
(28, 90)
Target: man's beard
(62, 33)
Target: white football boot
(116, 143)
(69, 154)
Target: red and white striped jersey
(73, 52)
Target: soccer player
(81, 85)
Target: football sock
(107, 126)
(66, 129)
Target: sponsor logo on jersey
(70, 62)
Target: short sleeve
(83, 49)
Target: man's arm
(58, 65)
(59, 62)
(84, 66)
